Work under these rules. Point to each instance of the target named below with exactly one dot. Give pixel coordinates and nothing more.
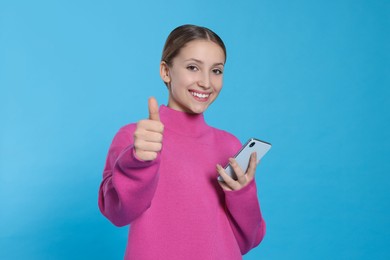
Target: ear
(164, 72)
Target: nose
(204, 80)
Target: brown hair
(182, 35)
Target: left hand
(242, 178)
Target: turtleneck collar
(181, 122)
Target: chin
(198, 110)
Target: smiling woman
(174, 202)
(194, 78)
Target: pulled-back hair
(184, 34)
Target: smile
(200, 95)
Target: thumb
(153, 109)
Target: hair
(184, 34)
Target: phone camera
(252, 144)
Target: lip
(200, 95)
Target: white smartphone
(243, 156)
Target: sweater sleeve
(128, 184)
(245, 216)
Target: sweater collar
(181, 122)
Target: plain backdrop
(311, 77)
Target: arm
(131, 173)
(128, 183)
(242, 205)
(245, 216)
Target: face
(195, 76)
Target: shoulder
(225, 135)
(125, 133)
(129, 128)
(226, 139)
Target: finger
(147, 146)
(224, 186)
(153, 109)
(232, 184)
(150, 125)
(146, 156)
(149, 136)
(153, 137)
(238, 171)
(252, 166)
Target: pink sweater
(174, 204)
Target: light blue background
(312, 77)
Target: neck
(183, 123)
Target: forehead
(204, 50)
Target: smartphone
(243, 156)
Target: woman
(161, 173)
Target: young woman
(161, 173)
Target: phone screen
(243, 156)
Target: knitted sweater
(174, 204)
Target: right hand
(148, 135)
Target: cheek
(183, 80)
(217, 83)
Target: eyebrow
(201, 62)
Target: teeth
(199, 95)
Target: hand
(148, 135)
(242, 178)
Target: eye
(217, 71)
(192, 68)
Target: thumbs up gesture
(148, 135)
